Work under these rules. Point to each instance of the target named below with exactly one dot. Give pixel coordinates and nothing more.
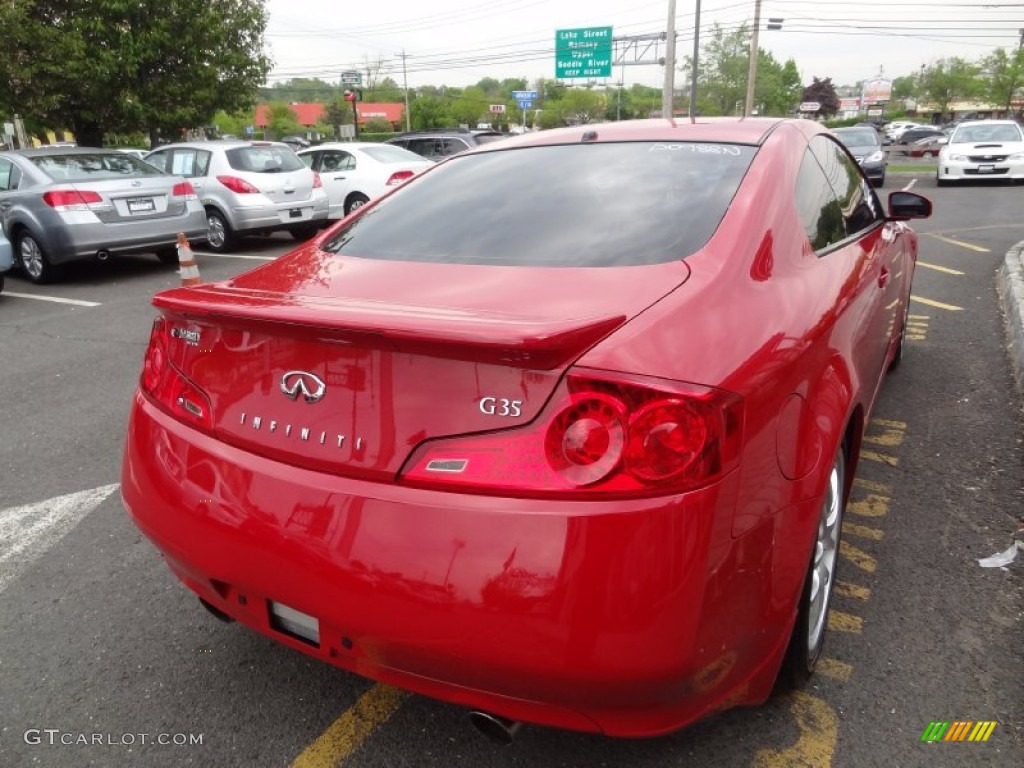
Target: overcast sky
(456, 42)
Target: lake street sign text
(583, 52)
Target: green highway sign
(583, 52)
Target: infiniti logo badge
(310, 385)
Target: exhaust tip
(498, 729)
(103, 255)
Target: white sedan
(981, 150)
(354, 172)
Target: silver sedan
(63, 204)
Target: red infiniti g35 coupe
(561, 430)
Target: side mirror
(908, 205)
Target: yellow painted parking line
(937, 268)
(962, 244)
(892, 433)
(871, 506)
(862, 531)
(351, 729)
(857, 592)
(837, 670)
(845, 622)
(857, 557)
(819, 732)
(936, 304)
(884, 458)
(54, 299)
(871, 485)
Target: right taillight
(599, 435)
(237, 185)
(168, 387)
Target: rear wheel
(355, 200)
(808, 636)
(940, 182)
(219, 236)
(33, 260)
(901, 343)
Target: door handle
(883, 277)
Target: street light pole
(752, 72)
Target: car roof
(716, 130)
(52, 150)
(987, 122)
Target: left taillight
(168, 387)
(71, 199)
(317, 182)
(600, 435)
(184, 190)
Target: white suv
(248, 187)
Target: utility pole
(405, 88)
(668, 90)
(696, 58)
(752, 72)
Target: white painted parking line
(55, 299)
(234, 256)
(28, 531)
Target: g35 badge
(501, 406)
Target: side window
(817, 205)
(346, 162)
(10, 175)
(860, 206)
(452, 146)
(203, 163)
(423, 147)
(308, 158)
(189, 163)
(158, 160)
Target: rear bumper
(274, 216)
(76, 240)
(629, 618)
(972, 171)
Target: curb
(1010, 284)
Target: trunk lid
(347, 364)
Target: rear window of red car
(577, 205)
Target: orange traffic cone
(187, 262)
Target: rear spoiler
(502, 339)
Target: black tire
(168, 256)
(220, 238)
(879, 183)
(1, 283)
(304, 233)
(940, 182)
(902, 342)
(808, 636)
(33, 261)
(355, 200)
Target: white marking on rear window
(701, 149)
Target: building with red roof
(309, 115)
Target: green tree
(337, 111)
(300, 89)
(430, 112)
(949, 80)
(281, 120)
(823, 92)
(1005, 76)
(125, 65)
